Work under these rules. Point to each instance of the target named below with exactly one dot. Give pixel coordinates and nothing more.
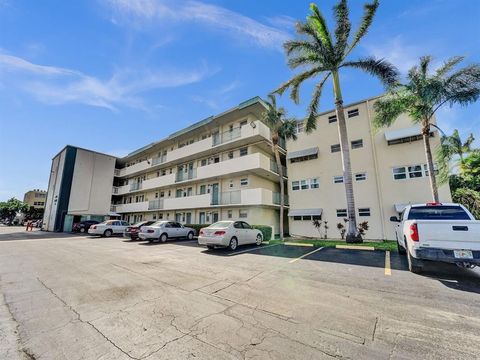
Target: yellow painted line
(298, 244)
(370, 248)
(307, 254)
(388, 270)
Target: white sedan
(163, 230)
(108, 228)
(229, 234)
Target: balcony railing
(230, 197)
(116, 172)
(276, 199)
(226, 136)
(159, 160)
(113, 208)
(155, 204)
(183, 176)
(115, 190)
(135, 186)
(274, 168)
(281, 143)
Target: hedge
(266, 230)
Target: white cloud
(56, 85)
(138, 12)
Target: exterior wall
(53, 191)
(379, 192)
(35, 198)
(92, 184)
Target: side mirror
(394, 219)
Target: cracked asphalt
(77, 297)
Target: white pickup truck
(438, 232)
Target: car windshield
(220, 224)
(158, 223)
(437, 213)
(141, 223)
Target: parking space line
(305, 255)
(388, 270)
(253, 249)
(369, 248)
(298, 244)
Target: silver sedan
(164, 230)
(229, 234)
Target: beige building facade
(220, 168)
(388, 166)
(35, 198)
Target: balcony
(115, 190)
(133, 207)
(116, 172)
(221, 138)
(184, 176)
(113, 208)
(276, 199)
(228, 198)
(135, 186)
(159, 160)
(156, 204)
(188, 202)
(274, 168)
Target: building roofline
(208, 120)
(80, 148)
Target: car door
(249, 233)
(179, 230)
(239, 232)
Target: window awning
(305, 212)
(302, 153)
(403, 133)
(399, 207)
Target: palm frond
(302, 46)
(468, 143)
(448, 65)
(296, 81)
(304, 60)
(311, 122)
(320, 26)
(288, 129)
(368, 15)
(342, 30)
(391, 106)
(424, 65)
(463, 87)
(380, 68)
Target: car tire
(190, 236)
(163, 238)
(401, 249)
(414, 265)
(107, 233)
(210, 247)
(82, 230)
(259, 240)
(233, 243)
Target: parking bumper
(444, 255)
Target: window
(357, 144)
(407, 139)
(363, 211)
(399, 173)
(303, 184)
(162, 194)
(338, 179)
(297, 218)
(203, 162)
(299, 127)
(360, 176)
(307, 218)
(316, 217)
(230, 184)
(230, 154)
(237, 225)
(154, 217)
(295, 185)
(332, 119)
(342, 213)
(158, 173)
(335, 148)
(242, 214)
(243, 123)
(179, 193)
(156, 195)
(304, 158)
(229, 214)
(415, 171)
(244, 151)
(445, 212)
(244, 182)
(352, 113)
(245, 225)
(314, 183)
(203, 189)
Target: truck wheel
(401, 249)
(414, 265)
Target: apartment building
(220, 168)
(388, 165)
(35, 198)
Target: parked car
(164, 230)
(131, 232)
(83, 226)
(229, 234)
(108, 228)
(440, 232)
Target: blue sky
(114, 75)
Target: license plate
(463, 254)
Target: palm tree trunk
(428, 153)
(352, 232)
(282, 190)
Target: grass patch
(384, 245)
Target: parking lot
(81, 297)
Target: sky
(115, 75)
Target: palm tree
(451, 146)
(321, 54)
(423, 94)
(280, 127)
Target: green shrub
(266, 231)
(197, 227)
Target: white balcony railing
(133, 207)
(184, 176)
(135, 186)
(155, 204)
(115, 190)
